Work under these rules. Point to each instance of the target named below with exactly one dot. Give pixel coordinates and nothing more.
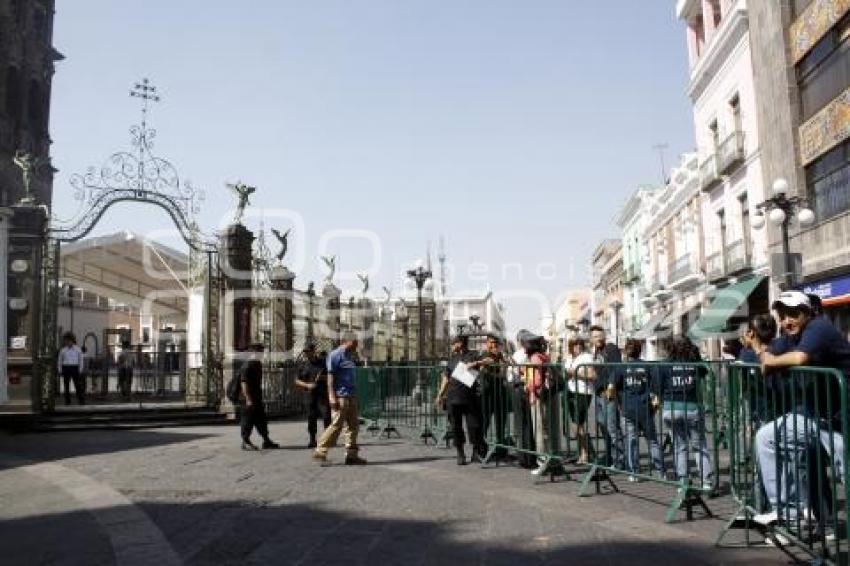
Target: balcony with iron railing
(730, 152)
(631, 273)
(682, 269)
(737, 257)
(715, 269)
(708, 175)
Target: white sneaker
(540, 470)
(766, 519)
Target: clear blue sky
(515, 128)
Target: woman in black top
(463, 402)
(682, 383)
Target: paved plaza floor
(191, 496)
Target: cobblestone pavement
(190, 496)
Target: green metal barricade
(398, 397)
(668, 405)
(788, 458)
(523, 409)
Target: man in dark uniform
(313, 378)
(253, 410)
(462, 401)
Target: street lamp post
(419, 275)
(311, 295)
(781, 209)
(616, 305)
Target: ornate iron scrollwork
(134, 176)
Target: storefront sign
(831, 291)
(18, 343)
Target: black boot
(476, 457)
(461, 457)
(312, 443)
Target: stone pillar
(5, 215)
(331, 295)
(364, 308)
(283, 338)
(32, 339)
(236, 255)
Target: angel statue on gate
(283, 239)
(330, 262)
(243, 192)
(364, 278)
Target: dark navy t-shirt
(827, 348)
(635, 383)
(681, 382)
(748, 356)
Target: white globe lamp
(777, 216)
(806, 217)
(780, 187)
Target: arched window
(35, 108)
(13, 94)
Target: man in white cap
(809, 340)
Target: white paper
(465, 375)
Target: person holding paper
(459, 390)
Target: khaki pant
(346, 417)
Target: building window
(828, 181)
(714, 133)
(13, 94)
(824, 73)
(35, 109)
(745, 226)
(715, 10)
(735, 107)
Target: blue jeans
(608, 425)
(635, 422)
(793, 439)
(688, 428)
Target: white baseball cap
(793, 299)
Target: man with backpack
(253, 413)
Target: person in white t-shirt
(70, 366)
(522, 424)
(579, 391)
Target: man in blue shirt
(809, 340)
(342, 399)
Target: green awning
(648, 329)
(726, 305)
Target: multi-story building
(674, 245)
(721, 89)
(571, 316)
(801, 55)
(607, 297)
(27, 60)
(632, 221)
